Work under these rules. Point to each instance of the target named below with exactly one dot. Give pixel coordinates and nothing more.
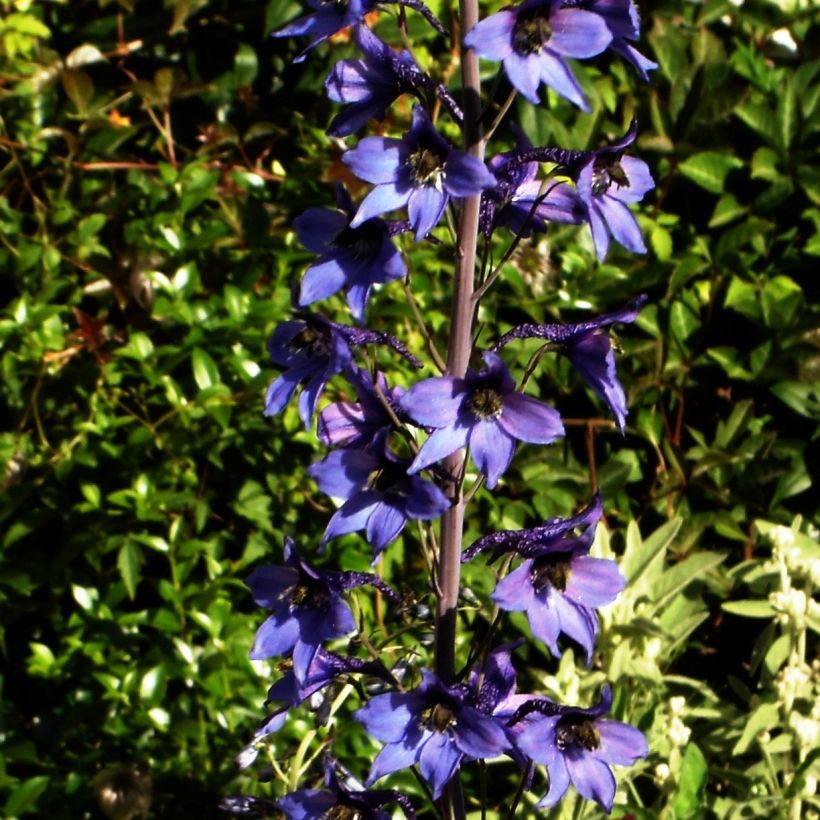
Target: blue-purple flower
(532, 40)
(312, 350)
(608, 183)
(370, 85)
(482, 410)
(579, 746)
(328, 19)
(624, 23)
(339, 801)
(379, 496)
(522, 202)
(434, 726)
(420, 170)
(351, 258)
(557, 584)
(306, 607)
(588, 347)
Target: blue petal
(426, 500)
(544, 620)
(383, 198)
(620, 743)
(465, 175)
(514, 592)
(384, 526)
(640, 181)
(394, 757)
(559, 783)
(424, 209)
(538, 743)
(578, 33)
(321, 280)
(440, 444)
(391, 717)
(318, 227)
(577, 622)
(434, 402)
(306, 804)
(479, 736)
(524, 72)
(592, 356)
(342, 473)
(592, 778)
(376, 159)
(280, 391)
(528, 419)
(593, 582)
(491, 449)
(269, 583)
(622, 223)
(439, 761)
(557, 74)
(276, 636)
(492, 36)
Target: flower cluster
(392, 455)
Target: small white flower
(783, 37)
(678, 732)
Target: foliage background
(152, 157)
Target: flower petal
(384, 526)
(439, 761)
(524, 72)
(558, 75)
(514, 593)
(321, 280)
(528, 419)
(491, 449)
(492, 36)
(383, 198)
(424, 209)
(391, 717)
(465, 175)
(478, 735)
(592, 778)
(440, 444)
(621, 221)
(376, 159)
(277, 635)
(559, 782)
(394, 757)
(434, 402)
(593, 582)
(578, 33)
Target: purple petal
(309, 396)
(592, 778)
(357, 296)
(376, 159)
(321, 280)
(620, 743)
(465, 175)
(277, 635)
(384, 526)
(426, 500)
(380, 200)
(514, 592)
(281, 391)
(434, 402)
(424, 209)
(544, 620)
(349, 81)
(318, 227)
(439, 761)
(640, 181)
(479, 736)
(538, 743)
(492, 36)
(592, 356)
(600, 232)
(307, 803)
(491, 449)
(440, 444)
(393, 758)
(577, 622)
(342, 473)
(557, 74)
(528, 419)
(268, 584)
(621, 221)
(593, 582)
(390, 717)
(524, 72)
(559, 783)
(578, 33)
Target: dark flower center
(485, 403)
(336, 5)
(605, 173)
(551, 571)
(530, 34)
(307, 591)
(361, 243)
(388, 476)
(438, 717)
(426, 166)
(577, 735)
(310, 342)
(339, 812)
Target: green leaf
(640, 554)
(766, 716)
(709, 169)
(79, 88)
(129, 561)
(691, 783)
(676, 579)
(206, 373)
(749, 609)
(24, 798)
(727, 210)
(787, 111)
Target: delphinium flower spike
(351, 258)
(579, 745)
(533, 38)
(306, 607)
(421, 170)
(482, 410)
(558, 584)
(588, 347)
(432, 725)
(338, 802)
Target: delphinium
(407, 455)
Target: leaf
(206, 373)
(691, 569)
(640, 554)
(727, 210)
(709, 169)
(129, 561)
(79, 88)
(787, 113)
(766, 716)
(749, 609)
(24, 798)
(691, 783)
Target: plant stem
(458, 357)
